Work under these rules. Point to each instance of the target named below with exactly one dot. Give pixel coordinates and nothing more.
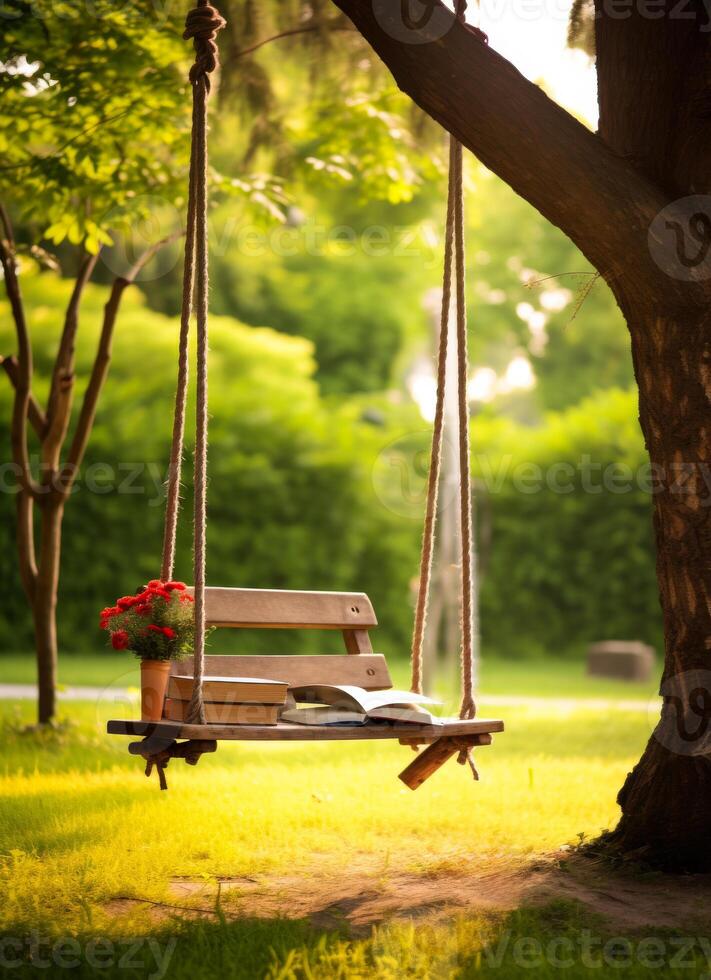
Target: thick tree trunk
(653, 95)
(666, 800)
(44, 607)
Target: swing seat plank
(285, 732)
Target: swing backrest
(349, 612)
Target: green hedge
(571, 557)
(304, 494)
(290, 492)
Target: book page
(356, 698)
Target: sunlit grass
(86, 842)
(80, 825)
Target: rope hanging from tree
(203, 24)
(454, 259)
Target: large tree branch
(567, 172)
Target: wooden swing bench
(353, 615)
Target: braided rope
(468, 707)
(202, 26)
(454, 253)
(172, 508)
(196, 711)
(428, 532)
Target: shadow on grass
(557, 939)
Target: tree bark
(605, 191)
(666, 800)
(44, 606)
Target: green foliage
(95, 138)
(532, 292)
(94, 117)
(297, 498)
(317, 108)
(355, 308)
(365, 141)
(571, 557)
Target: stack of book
(228, 700)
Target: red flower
(179, 586)
(165, 631)
(157, 588)
(104, 617)
(119, 640)
(185, 597)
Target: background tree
(73, 100)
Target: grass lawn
(533, 678)
(302, 861)
(101, 669)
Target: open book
(343, 704)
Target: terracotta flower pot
(154, 684)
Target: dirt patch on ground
(628, 901)
(357, 900)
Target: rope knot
(468, 707)
(203, 25)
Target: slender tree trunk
(44, 607)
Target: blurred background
(326, 249)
